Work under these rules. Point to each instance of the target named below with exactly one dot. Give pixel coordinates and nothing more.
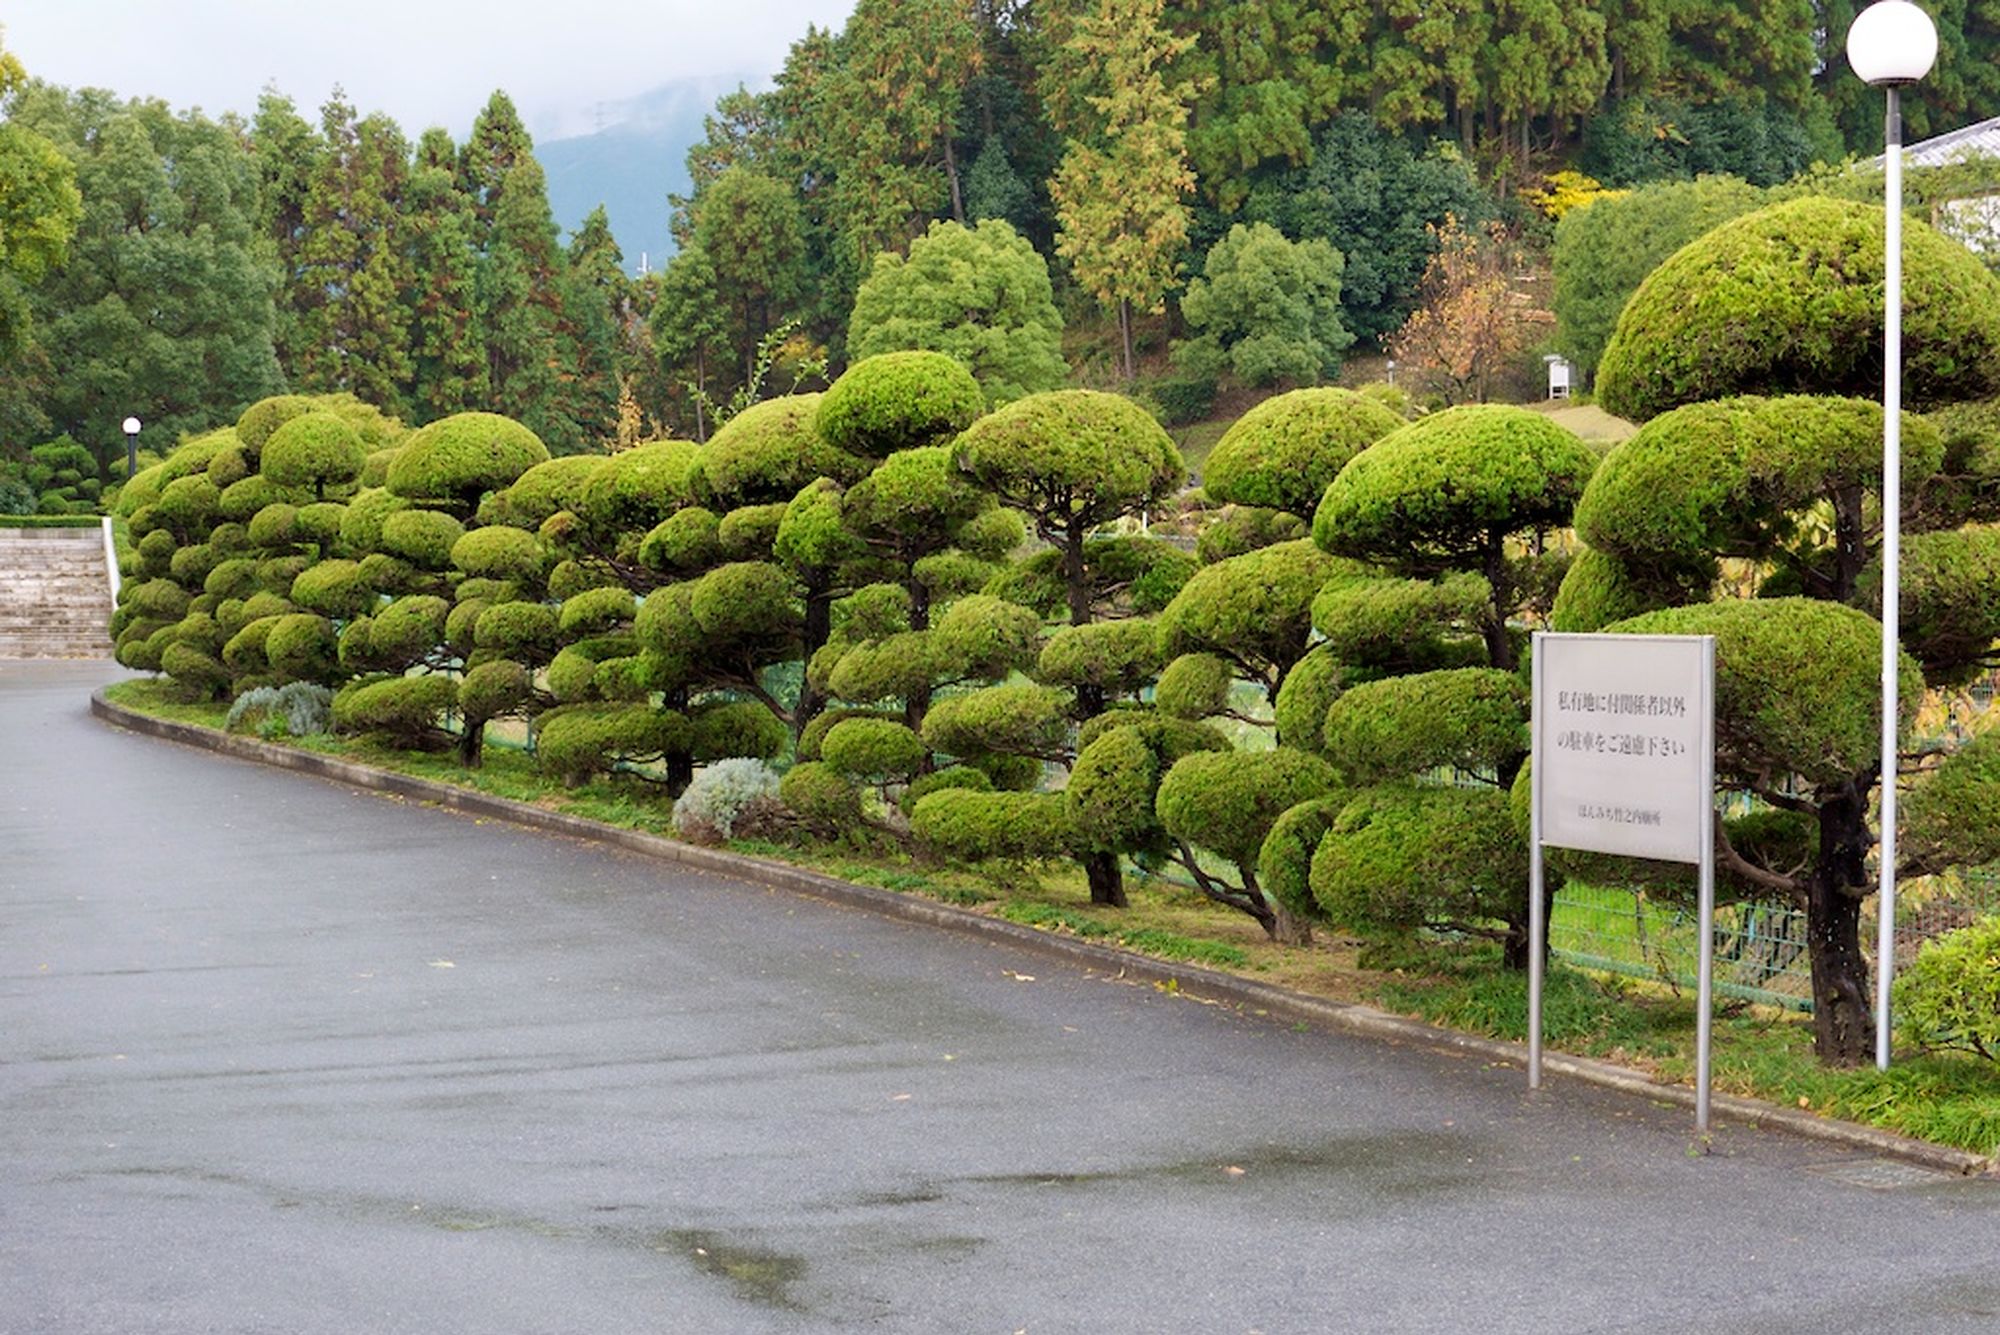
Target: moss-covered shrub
(975, 826)
(1020, 719)
(962, 777)
(1436, 494)
(1194, 686)
(319, 523)
(898, 401)
(314, 452)
(240, 501)
(406, 710)
(265, 416)
(361, 526)
(596, 611)
(500, 552)
(767, 453)
(628, 493)
(1471, 719)
(275, 525)
(424, 538)
(875, 750)
(458, 459)
(1117, 657)
(749, 532)
(735, 728)
(1236, 529)
(494, 688)
(195, 675)
(685, 540)
(1282, 453)
(1284, 862)
(409, 628)
(528, 631)
(302, 647)
(333, 588)
(824, 800)
(1401, 857)
(1788, 300)
(190, 566)
(576, 741)
(1227, 801)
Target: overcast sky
(425, 62)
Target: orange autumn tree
(1475, 321)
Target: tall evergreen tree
(447, 350)
(352, 324)
(520, 309)
(499, 143)
(598, 321)
(690, 335)
(1121, 191)
(286, 150)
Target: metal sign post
(1624, 763)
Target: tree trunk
(472, 744)
(951, 173)
(679, 764)
(1107, 882)
(1125, 337)
(700, 397)
(1843, 1018)
(818, 628)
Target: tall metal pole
(1892, 538)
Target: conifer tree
(520, 310)
(286, 150)
(597, 318)
(352, 328)
(1120, 193)
(447, 348)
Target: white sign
(1622, 729)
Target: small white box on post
(1559, 374)
(1624, 763)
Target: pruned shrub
(874, 750)
(735, 728)
(406, 710)
(297, 709)
(737, 790)
(898, 401)
(424, 538)
(975, 826)
(1949, 997)
(462, 457)
(313, 451)
(825, 801)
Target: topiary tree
(1789, 300)
(1283, 453)
(1227, 802)
(314, 450)
(979, 294)
(1788, 489)
(1072, 461)
(452, 463)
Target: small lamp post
(131, 447)
(1392, 370)
(1891, 43)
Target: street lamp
(131, 447)
(1891, 43)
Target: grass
(1759, 1051)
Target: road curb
(1190, 980)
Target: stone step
(55, 594)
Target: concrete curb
(1191, 980)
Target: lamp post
(131, 447)
(1891, 43)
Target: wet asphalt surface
(276, 1056)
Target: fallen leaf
(443, 964)
(1234, 1171)
(899, 1098)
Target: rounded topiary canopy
(767, 452)
(1439, 493)
(1796, 684)
(898, 401)
(1085, 456)
(1282, 453)
(263, 418)
(1789, 300)
(463, 456)
(313, 450)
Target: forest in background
(216, 261)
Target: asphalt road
(276, 1056)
